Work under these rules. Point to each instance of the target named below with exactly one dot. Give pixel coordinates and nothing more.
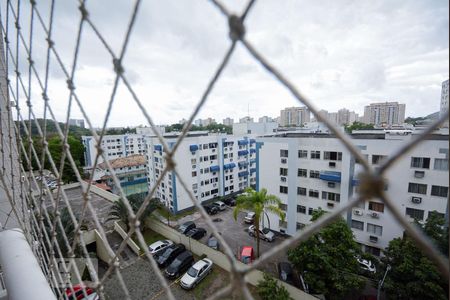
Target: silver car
(264, 234)
(159, 245)
(196, 273)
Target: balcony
(242, 142)
(229, 166)
(214, 168)
(242, 152)
(193, 148)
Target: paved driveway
(236, 235)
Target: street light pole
(380, 283)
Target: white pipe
(21, 271)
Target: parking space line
(162, 290)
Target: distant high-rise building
(228, 122)
(182, 121)
(345, 116)
(294, 116)
(265, 119)
(246, 119)
(77, 122)
(444, 101)
(198, 122)
(384, 113)
(208, 121)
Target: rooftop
(121, 162)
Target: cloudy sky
(345, 53)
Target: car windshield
(192, 272)
(167, 253)
(265, 230)
(212, 242)
(176, 263)
(245, 259)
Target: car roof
(187, 223)
(247, 250)
(184, 255)
(158, 243)
(201, 263)
(219, 202)
(250, 213)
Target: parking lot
(236, 235)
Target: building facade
(210, 165)
(114, 146)
(308, 172)
(77, 122)
(228, 122)
(253, 128)
(444, 101)
(294, 116)
(384, 113)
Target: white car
(159, 245)
(196, 273)
(264, 233)
(366, 265)
(249, 218)
(220, 205)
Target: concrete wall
(217, 257)
(123, 234)
(92, 236)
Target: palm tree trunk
(257, 238)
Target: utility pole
(380, 283)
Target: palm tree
(120, 212)
(259, 203)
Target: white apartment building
(444, 101)
(244, 128)
(77, 122)
(211, 166)
(384, 113)
(228, 121)
(342, 117)
(265, 119)
(150, 131)
(312, 171)
(114, 146)
(294, 116)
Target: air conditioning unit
(330, 204)
(332, 164)
(331, 184)
(419, 174)
(213, 150)
(283, 179)
(373, 239)
(416, 200)
(215, 184)
(375, 215)
(358, 212)
(283, 160)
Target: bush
(268, 289)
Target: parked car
(230, 202)
(78, 293)
(285, 272)
(220, 205)
(185, 227)
(196, 273)
(264, 234)
(166, 257)
(247, 255)
(366, 265)
(249, 218)
(159, 245)
(213, 242)
(211, 209)
(181, 263)
(196, 233)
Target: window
(435, 213)
(440, 191)
(310, 211)
(301, 191)
(283, 172)
(301, 209)
(441, 164)
(420, 162)
(373, 250)
(327, 155)
(417, 188)
(315, 154)
(416, 214)
(314, 174)
(314, 193)
(376, 159)
(283, 153)
(194, 173)
(283, 207)
(358, 225)
(331, 196)
(193, 161)
(374, 229)
(376, 206)
(302, 173)
(283, 189)
(302, 153)
(300, 226)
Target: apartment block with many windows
(312, 171)
(211, 166)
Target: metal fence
(26, 195)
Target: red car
(247, 255)
(78, 289)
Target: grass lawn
(150, 237)
(211, 283)
(174, 217)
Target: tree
(55, 147)
(327, 260)
(358, 126)
(268, 289)
(120, 212)
(258, 202)
(412, 274)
